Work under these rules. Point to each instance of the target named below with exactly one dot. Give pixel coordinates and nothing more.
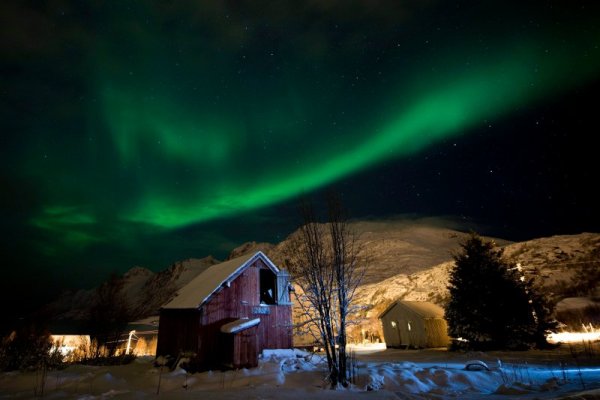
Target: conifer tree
(492, 305)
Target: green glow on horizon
(71, 225)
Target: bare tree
(323, 261)
(108, 317)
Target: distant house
(71, 344)
(418, 324)
(142, 336)
(229, 313)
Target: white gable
(202, 287)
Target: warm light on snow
(67, 344)
(589, 333)
(365, 348)
(573, 337)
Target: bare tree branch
(323, 261)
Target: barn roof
(424, 309)
(203, 286)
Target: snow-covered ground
(295, 374)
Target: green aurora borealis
(135, 123)
(207, 147)
(209, 161)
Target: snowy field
(295, 374)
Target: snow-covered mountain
(407, 260)
(145, 291)
(392, 247)
(551, 261)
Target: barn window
(409, 327)
(393, 324)
(267, 286)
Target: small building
(144, 339)
(228, 314)
(71, 346)
(417, 324)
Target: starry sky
(142, 133)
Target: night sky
(142, 133)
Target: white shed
(417, 324)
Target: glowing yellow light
(590, 334)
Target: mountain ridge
(407, 260)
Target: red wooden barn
(229, 313)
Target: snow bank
(293, 374)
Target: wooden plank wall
(437, 332)
(275, 329)
(178, 332)
(235, 301)
(199, 331)
(245, 349)
(241, 300)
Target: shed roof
(239, 325)
(203, 286)
(424, 309)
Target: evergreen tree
(493, 306)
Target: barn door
(248, 350)
(226, 350)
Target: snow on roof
(424, 309)
(202, 287)
(239, 325)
